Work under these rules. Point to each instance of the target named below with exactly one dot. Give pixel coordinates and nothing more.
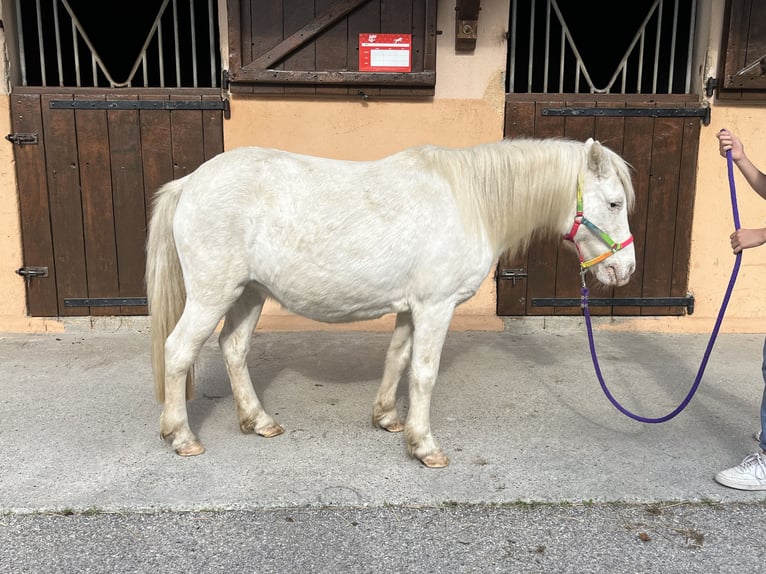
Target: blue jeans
(763, 401)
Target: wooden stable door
(659, 138)
(87, 164)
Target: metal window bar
(673, 47)
(657, 46)
(40, 44)
(193, 35)
(59, 63)
(513, 40)
(175, 43)
(547, 45)
(690, 48)
(44, 14)
(160, 58)
(211, 35)
(22, 55)
(531, 46)
(76, 47)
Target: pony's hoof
(270, 431)
(389, 422)
(396, 426)
(191, 448)
(435, 460)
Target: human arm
(754, 176)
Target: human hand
(728, 141)
(746, 238)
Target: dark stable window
(742, 68)
(653, 38)
(305, 47)
(81, 43)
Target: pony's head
(600, 230)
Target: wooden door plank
(65, 203)
(637, 151)
(188, 148)
(396, 18)
(128, 197)
(156, 159)
(331, 48)
(364, 20)
(212, 130)
(684, 215)
(265, 25)
(543, 253)
(662, 208)
(512, 294)
(610, 131)
(568, 278)
(303, 57)
(32, 181)
(156, 151)
(97, 205)
(419, 31)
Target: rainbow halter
(580, 219)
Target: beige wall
(467, 109)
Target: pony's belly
(331, 309)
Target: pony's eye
(615, 205)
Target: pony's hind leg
(384, 413)
(234, 341)
(181, 350)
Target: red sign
(385, 52)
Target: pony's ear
(597, 159)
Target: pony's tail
(165, 290)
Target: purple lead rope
(714, 334)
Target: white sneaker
(750, 474)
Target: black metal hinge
(105, 302)
(687, 302)
(138, 104)
(703, 113)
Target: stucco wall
(467, 109)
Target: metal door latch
(512, 275)
(32, 271)
(22, 139)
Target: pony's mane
(516, 189)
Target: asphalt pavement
(546, 475)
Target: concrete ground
(520, 413)
(546, 475)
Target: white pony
(415, 234)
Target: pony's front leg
(384, 413)
(234, 341)
(430, 330)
